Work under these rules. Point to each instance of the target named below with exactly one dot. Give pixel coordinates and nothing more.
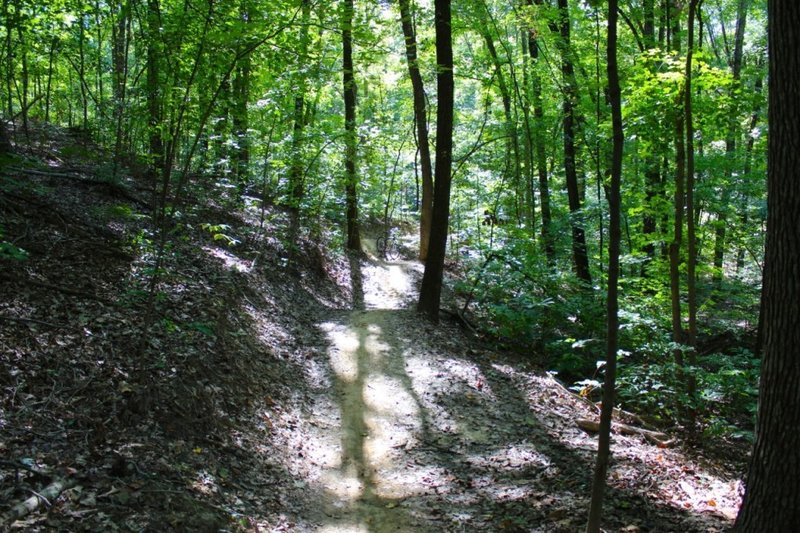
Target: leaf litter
(281, 393)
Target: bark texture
(772, 497)
(431, 290)
(351, 137)
(421, 123)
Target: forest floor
(278, 388)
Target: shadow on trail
(432, 435)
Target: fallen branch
(618, 413)
(82, 178)
(47, 495)
(34, 321)
(654, 437)
(63, 290)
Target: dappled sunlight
(511, 457)
(343, 352)
(388, 285)
(268, 330)
(230, 261)
(379, 419)
(345, 527)
(344, 483)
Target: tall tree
(296, 191)
(691, 237)
(431, 289)
(512, 167)
(120, 39)
(539, 142)
(612, 303)
(730, 140)
(421, 123)
(241, 97)
(652, 166)
(772, 495)
(580, 254)
(153, 92)
(351, 135)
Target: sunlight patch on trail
(388, 285)
(366, 479)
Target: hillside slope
(274, 388)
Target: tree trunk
(512, 158)
(5, 139)
(720, 233)
(421, 122)
(9, 24)
(691, 283)
(23, 99)
(541, 154)
(772, 497)
(579, 253)
(119, 60)
(82, 73)
(49, 85)
(652, 174)
(612, 304)
(431, 289)
(296, 178)
(351, 135)
(153, 87)
(241, 97)
(677, 238)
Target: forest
(412, 265)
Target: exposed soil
(279, 388)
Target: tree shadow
(356, 281)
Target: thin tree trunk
(512, 142)
(612, 304)
(691, 284)
(82, 75)
(421, 122)
(9, 24)
(23, 100)
(677, 238)
(153, 88)
(730, 142)
(652, 174)
(541, 154)
(296, 178)
(99, 69)
(579, 252)
(431, 289)
(49, 85)
(241, 94)
(119, 60)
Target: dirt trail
(416, 428)
(364, 474)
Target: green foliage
(10, 251)
(219, 232)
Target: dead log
(654, 437)
(46, 496)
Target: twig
(34, 321)
(654, 437)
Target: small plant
(10, 251)
(220, 232)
